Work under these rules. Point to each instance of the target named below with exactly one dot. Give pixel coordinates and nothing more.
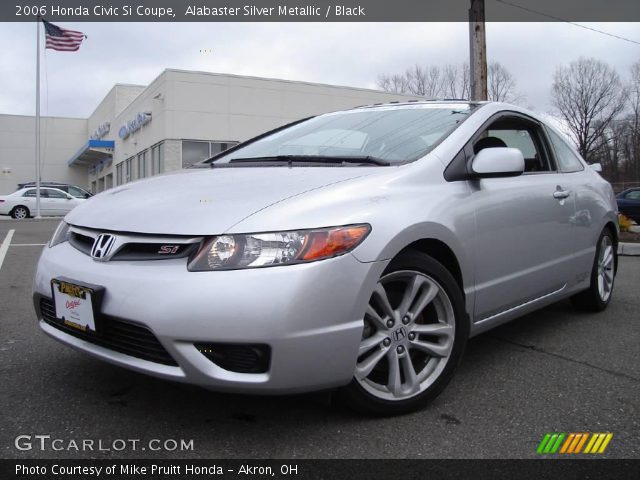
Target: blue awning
(93, 153)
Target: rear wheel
(20, 212)
(415, 330)
(598, 295)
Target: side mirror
(497, 162)
(69, 197)
(597, 167)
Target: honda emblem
(102, 246)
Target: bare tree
(589, 95)
(417, 80)
(456, 81)
(501, 84)
(633, 147)
(450, 81)
(393, 83)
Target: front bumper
(310, 315)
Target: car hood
(202, 202)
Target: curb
(629, 249)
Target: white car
(22, 203)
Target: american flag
(62, 39)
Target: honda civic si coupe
(355, 251)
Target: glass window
(157, 159)
(568, 161)
(51, 193)
(77, 192)
(633, 195)
(142, 164)
(517, 133)
(219, 147)
(154, 159)
(29, 193)
(128, 170)
(520, 139)
(394, 134)
(193, 152)
(119, 174)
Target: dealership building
(182, 117)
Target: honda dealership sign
(134, 125)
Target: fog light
(250, 358)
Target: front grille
(81, 242)
(138, 247)
(119, 335)
(153, 251)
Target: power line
(531, 10)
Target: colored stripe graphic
(543, 443)
(567, 443)
(573, 443)
(581, 443)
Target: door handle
(561, 194)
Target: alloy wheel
(407, 338)
(605, 268)
(20, 213)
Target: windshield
(394, 134)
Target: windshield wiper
(332, 159)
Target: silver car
(356, 251)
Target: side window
(30, 193)
(50, 193)
(76, 192)
(521, 134)
(633, 195)
(567, 160)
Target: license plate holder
(77, 305)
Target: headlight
(60, 235)
(230, 252)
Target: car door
(28, 199)
(55, 202)
(588, 202)
(524, 241)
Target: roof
(445, 101)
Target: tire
(20, 212)
(428, 336)
(603, 273)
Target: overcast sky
(338, 53)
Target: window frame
(459, 169)
(549, 131)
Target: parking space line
(28, 244)
(5, 246)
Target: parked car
(72, 190)
(629, 203)
(356, 250)
(53, 201)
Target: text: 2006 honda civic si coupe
(358, 250)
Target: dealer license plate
(74, 305)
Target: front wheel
(415, 330)
(598, 295)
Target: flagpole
(38, 117)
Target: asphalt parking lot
(552, 371)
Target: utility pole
(478, 51)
